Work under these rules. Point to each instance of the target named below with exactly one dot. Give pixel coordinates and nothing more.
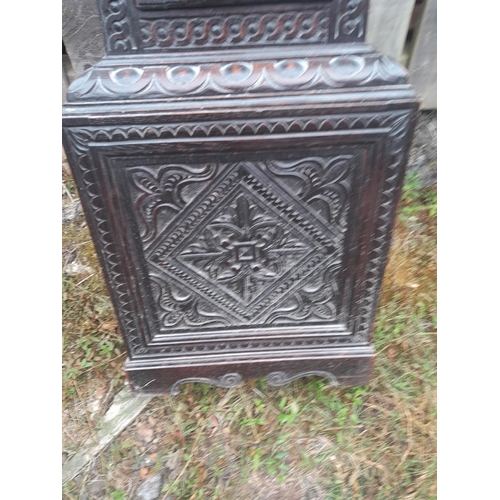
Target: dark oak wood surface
(241, 198)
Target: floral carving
(244, 248)
(181, 308)
(323, 183)
(399, 125)
(161, 189)
(313, 301)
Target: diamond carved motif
(245, 248)
(253, 250)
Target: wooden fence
(403, 29)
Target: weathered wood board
(388, 24)
(423, 63)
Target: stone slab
(82, 33)
(124, 409)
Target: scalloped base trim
(346, 367)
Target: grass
(304, 440)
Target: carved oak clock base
(347, 367)
(239, 164)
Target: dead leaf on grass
(392, 353)
(110, 326)
(145, 433)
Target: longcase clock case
(239, 164)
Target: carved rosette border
(399, 125)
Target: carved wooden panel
(265, 248)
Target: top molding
(160, 26)
(182, 4)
